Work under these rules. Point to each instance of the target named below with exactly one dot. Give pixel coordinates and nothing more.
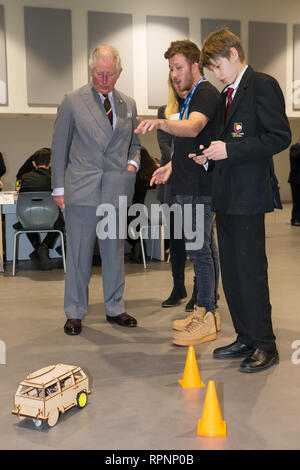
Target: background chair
(37, 213)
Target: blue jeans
(205, 258)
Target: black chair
(37, 213)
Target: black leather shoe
(259, 360)
(295, 223)
(177, 294)
(73, 326)
(191, 304)
(124, 320)
(232, 351)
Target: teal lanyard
(186, 103)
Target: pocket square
(129, 114)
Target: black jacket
(37, 180)
(256, 128)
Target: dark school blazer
(256, 128)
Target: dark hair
(219, 44)
(187, 48)
(42, 157)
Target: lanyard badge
(185, 106)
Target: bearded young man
(191, 184)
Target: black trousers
(295, 189)
(244, 271)
(177, 255)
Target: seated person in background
(148, 165)
(27, 166)
(2, 170)
(39, 179)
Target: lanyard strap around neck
(186, 103)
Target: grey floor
(136, 401)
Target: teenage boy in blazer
(256, 128)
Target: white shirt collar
(110, 96)
(237, 81)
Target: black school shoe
(259, 360)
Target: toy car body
(46, 393)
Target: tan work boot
(180, 325)
(199, 330)
(217, 320)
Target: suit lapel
(121, 109)
(236, 100)
(95, 107)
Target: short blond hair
(172, 106)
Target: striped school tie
(108, 109)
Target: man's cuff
(134, 163)
(58, 192)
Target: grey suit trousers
(81, 223)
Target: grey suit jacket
(88, 157)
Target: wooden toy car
(50, 391)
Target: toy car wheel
(53, 417)
(37, 422)
(82, 399)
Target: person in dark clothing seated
(28, 166)
(39, 179)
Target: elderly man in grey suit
(95, 156)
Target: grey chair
(37, 213)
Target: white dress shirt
(236, 83)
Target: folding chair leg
(143, 249)
(15, 254)
(63, 253)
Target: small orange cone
(211, 423)
(191, 376)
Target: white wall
(21, 135)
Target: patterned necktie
(108, 109)
(229, 101)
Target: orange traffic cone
(191, 376)
(211, 423)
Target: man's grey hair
(105, 51)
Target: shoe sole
(133, 325)
(267, 366)
(69, 333)
(194, 342)
(173, 305)
(182, 329)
